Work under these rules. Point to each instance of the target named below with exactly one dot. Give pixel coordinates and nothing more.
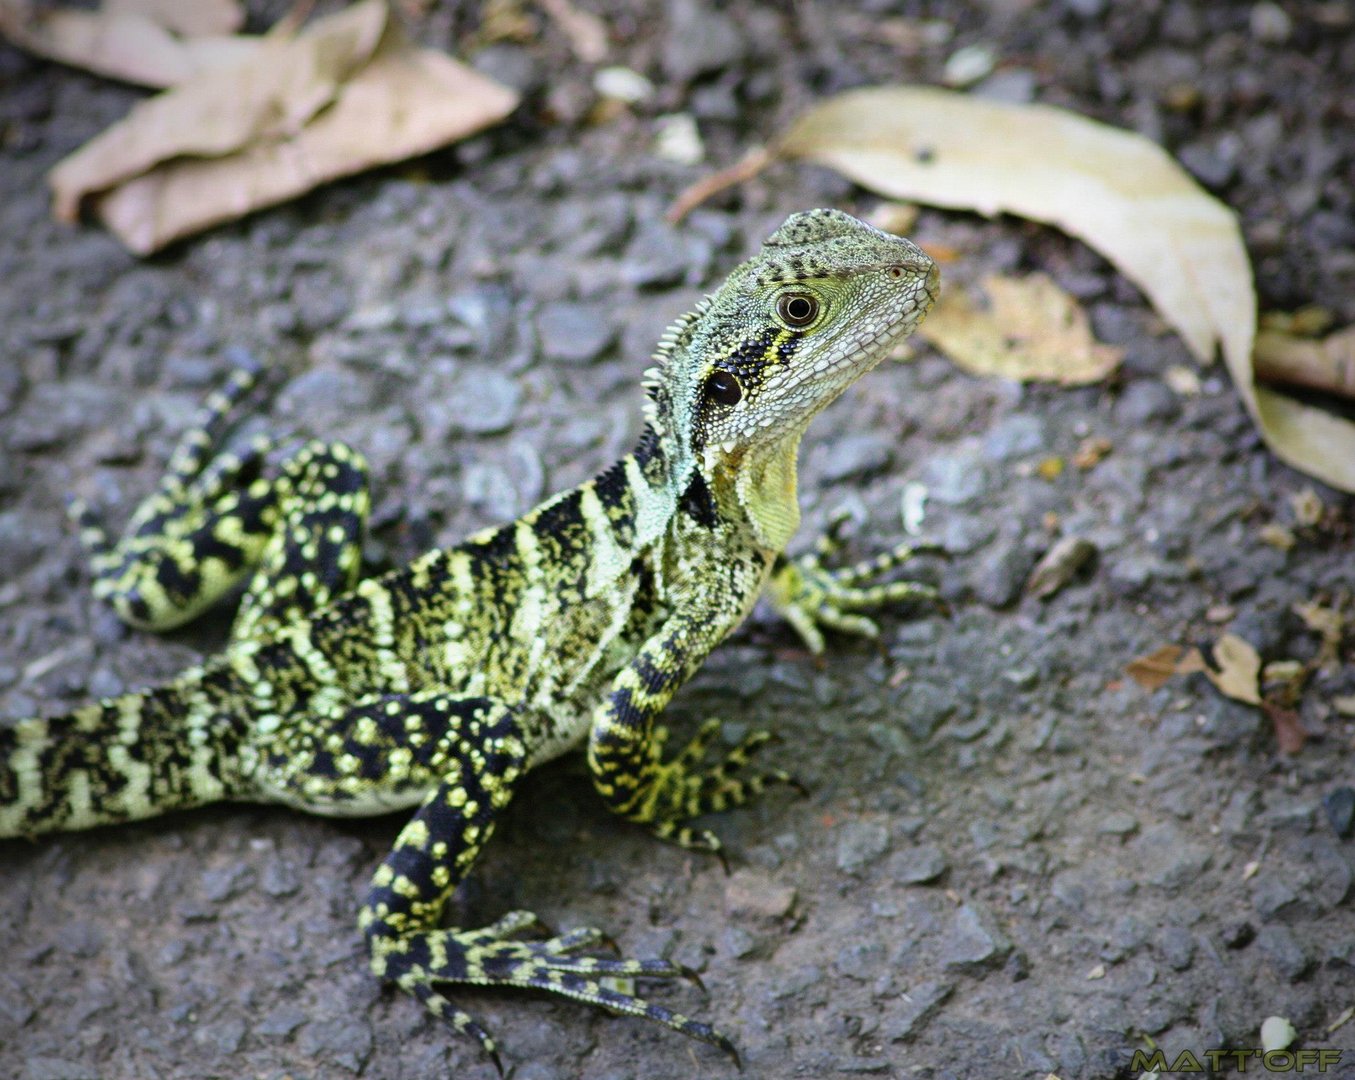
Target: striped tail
(120, 759)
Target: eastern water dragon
(439, 685)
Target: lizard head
(822, 303)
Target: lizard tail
(120, 759)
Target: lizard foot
(809, 595)
(494, 956)
(684, 789)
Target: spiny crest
(670, 349)
(812, 227)
(817, 243)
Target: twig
(753, 163)
(1327, 365)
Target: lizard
(438, 686)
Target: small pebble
(1277, 1033)
(1340, 807)
(860, 843)
(919, 865)
(968, 65)
(1270, 24)
(623, 84)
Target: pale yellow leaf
(1308, 438)
(1331, 624)
(1239, 669)
(121, 42)
(1183, 380)
(191, 18)
(586, 32)
(1191, 663)
(1120, 192)
(1058, 565)
(348, 93)
(1116, 190)
(1277, 536)
(1031, 330)
(1308, 507)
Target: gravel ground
(1012, 860)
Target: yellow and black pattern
(440, 685)
(216, 520)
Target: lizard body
(439, 685)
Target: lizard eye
(797, 309)
(723, 388)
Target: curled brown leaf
(345, 94)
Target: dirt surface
(1012, 860)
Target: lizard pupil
(723, 388)
(797, 309)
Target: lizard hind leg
(315, 548)
(287, 520)
(484, 762)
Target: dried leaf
(1277, 536)
(1192, 663)
(346, 94)
(1091, 450)
(505, 20)
(1289, 732)
(1331, 624)
(1306, 437)
(1119, 192)
(894, 217)
(1284, 671)
(1327, 365)
(1152, 670)
(268, 99)
(1183, 380)
(1058, 566)
(587, 33)
(191, 18)
(1032, 330)
(147, 43)
(1284, 681)
(1239, 670)
(1308, 507)
(1050, 468)
(1311, 320)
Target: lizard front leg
(626, 745)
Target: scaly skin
(440, 685)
